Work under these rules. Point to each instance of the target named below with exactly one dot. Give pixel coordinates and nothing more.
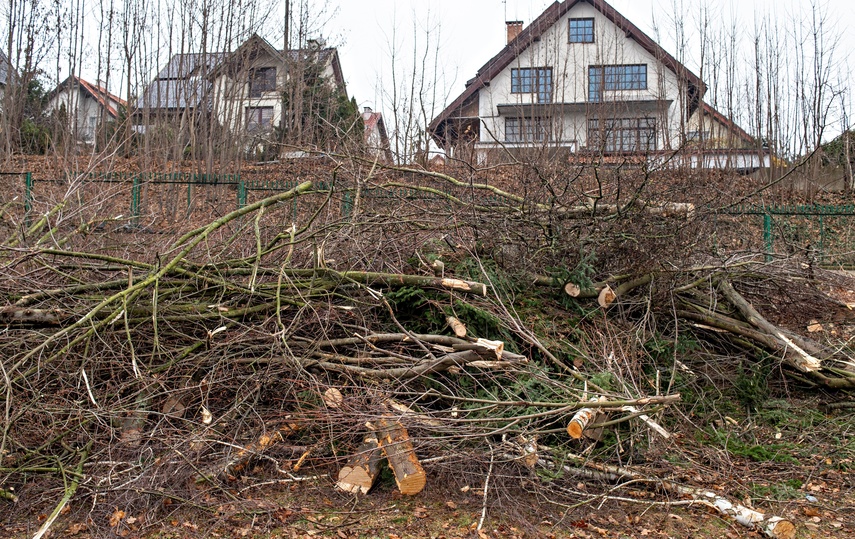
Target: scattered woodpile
(244, 346)
(708, 302)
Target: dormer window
(582, 30)
(261, 81)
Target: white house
(376, 137)
(240, 90)
(6, 73)
(583, 79)
(83, 106)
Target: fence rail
(827, 231)
(823, 232)
(806, 210)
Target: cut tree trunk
(32, 317)
(361, 471)
(606, 297)
(583, 418)
(457, 326)
(395, 442)
(572, 290)
(483, 346)
(799, 357)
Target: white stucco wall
(231, 95)
(570, 63)
(714, 133)
(82, 109)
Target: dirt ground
(790, 459)
(789, 454)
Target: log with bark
(32, 317)
(582, 418)
(363, 468)
(457, 326)
(394, 440)
(734, 316)
(721, 308)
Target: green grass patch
(780, 452)
(785, 490)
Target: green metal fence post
(135, 199)
(346, 205)
(821, 254)
(28, 198)
(241, 193)
(767, 235)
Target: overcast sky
(464, 34)
(472, 31)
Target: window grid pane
(258, 118)
(529, 80)
(581, 30)
(616, 77)
(262, 80)
(622, 134)
(526, 130)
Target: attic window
(262, 80)
(582, 30)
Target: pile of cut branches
(240, 350)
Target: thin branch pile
(246, 348)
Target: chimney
(514, 29)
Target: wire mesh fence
(821, 234)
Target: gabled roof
(247, 52)
(98, 93)
(535, 31)
(183, 65)
(373, 121)
(180, 85)
(728, 123)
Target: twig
(69, 492)
(486, 487)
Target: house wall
(84, 111)
(374, 142)
(377, 146)
(713, 133)
(569, 63)
(231, 93)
